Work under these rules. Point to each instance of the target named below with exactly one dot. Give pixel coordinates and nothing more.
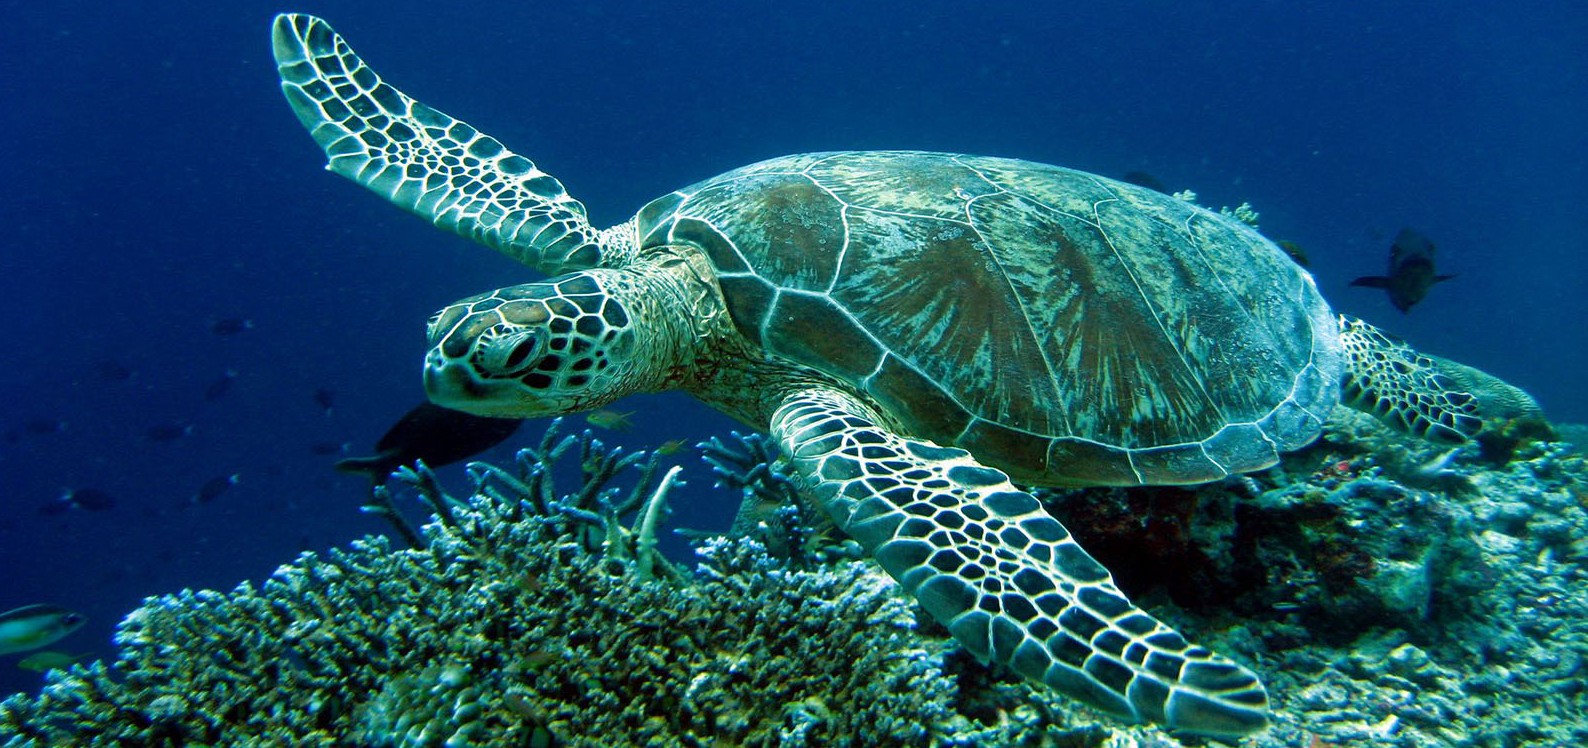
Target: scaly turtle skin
(913, 329)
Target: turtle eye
(510, 353)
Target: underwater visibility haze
(209, 324)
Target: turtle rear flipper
(424, 161)
(1497, 398)
(1405, 389)
(1006, 578)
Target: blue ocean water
(157, 184)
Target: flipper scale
(1403, 388)
(426, 162)
(1006, 578)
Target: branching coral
(1377, 611)
(771, 509)
(526, 618)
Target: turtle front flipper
(424, 161)
(1410, 391)
(1005, 577)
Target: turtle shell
(1065, 327)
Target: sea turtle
(917, 331)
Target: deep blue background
(154, 181)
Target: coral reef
(527, 617)
(1392, 593)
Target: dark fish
(1297, 254)
(214, 487)
(111, 370)
(325, 398)
(220, 387)
(325, 449)
(1411, 271)
(45, 426)
(167, 432)
(437, 435)
(231, 326)
(34, 626)
(1143, 179)
(91, 499)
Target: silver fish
(34, 626)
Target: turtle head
(539, 349)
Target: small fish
(34, 626)
(231, 326)
(1411, 271)
(672, 447)
(220, 387)
(39, 662)
(214, 487)
(437, 435)
(539, 658)
(531, 583)
(1297, 254)
(325, 398)
(610, 419)
(90, 499)
(1143, 179)
(111, 370)
(325, 449)
(167, 432)
(44, 426)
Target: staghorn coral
(771, 509)
(525, 618)
(1382, 608)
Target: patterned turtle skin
(912, 329)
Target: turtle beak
(450, 384)
(455, 384)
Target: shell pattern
(1064, 327)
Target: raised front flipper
(1005, 577)
(1404, 388)
(424, 161)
